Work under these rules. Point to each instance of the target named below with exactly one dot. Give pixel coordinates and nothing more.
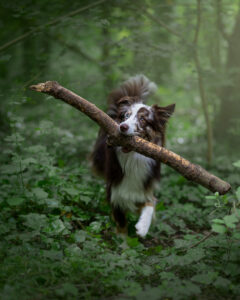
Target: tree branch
(220, 22)
(53, 22)
(164, 25)
(75, 48)
(187, 169)
(161, 23)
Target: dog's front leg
(145, 219)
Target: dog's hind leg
(121, 221)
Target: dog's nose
(124, 127)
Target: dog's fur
(129, 175)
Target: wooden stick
(190, 171)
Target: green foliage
(229, 223)
(58, 241)
(57, 237)
(237, 164)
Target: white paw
(141, 229)
(144, 222)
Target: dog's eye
(142, 119)
(126, 116)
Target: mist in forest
(58, 239)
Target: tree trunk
(201, 86)
(107, 64)
(227, 125)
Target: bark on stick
(190, 171)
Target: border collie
(130, 176)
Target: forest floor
(58, 240)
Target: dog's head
(135, 118)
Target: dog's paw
(141, 229)
(144, 222)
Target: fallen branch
(201, 241)
(190, 171)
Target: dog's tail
(138, 86)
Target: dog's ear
(162, 114)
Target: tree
(227, 124)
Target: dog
(130, 176)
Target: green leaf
(222, 283)
(237, 164)
(191, 289)
(236, 235)
(163, 227)
(146, 270)
(27, 161)
(238, 193)
(210, 197)
(218, 221)
(80, 236)
(58, 226)
(40, 193)
(193, 255)
(4, 228)
(53, 254)
(168, 276)
(73, 251)
(37, 149)
(219, 228)
(181, 243)
(52, 203)
(10, 168)
(95, 227)
(230, 221)
(15, 138)
(85, 199)
(35, 221)
(237, 212)
(71, 191)
(67, 289)
(205, 278)
(133, 289)
(132, 242)
(15, 201)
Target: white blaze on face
(132, 121)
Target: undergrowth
(58, 240)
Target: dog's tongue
(125, 150)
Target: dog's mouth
(134, 133)
(126, 150)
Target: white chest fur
(136, 169)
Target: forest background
(57, 237)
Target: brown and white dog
(129, 175)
